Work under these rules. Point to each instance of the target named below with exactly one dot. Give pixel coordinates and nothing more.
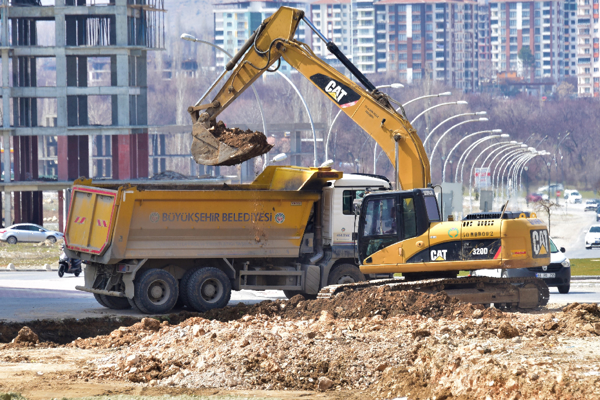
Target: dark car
(557, 274)
(534, 197)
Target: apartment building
(234, 22)
(570, 37)
(434, 39)
(537, 25)
(588, 64)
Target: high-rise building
(570, 37)
(535, 24)
(435, 39)
(234, 22)
(588, 63)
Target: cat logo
(343, 95)
(438, 255)
(539, 243)
(335, 91)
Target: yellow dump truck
(152, 244)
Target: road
(29, 295)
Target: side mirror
(562, 250)
(40, 230)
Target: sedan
(592, 237)
(28, 233)
(591, 205)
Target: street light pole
(510, 168)
(500, 164)
(503, 162)
(425, 97)
(465, 155)
(473, 167)
(460, 102)
(458, 144)
(449, 119)
(448, 131)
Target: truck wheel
(183, 297)
(132, 304)
(345, 273)
(564, 289)
(291, 293)
(156, 291)
(208, 288)
(100, 300)
(116, 303)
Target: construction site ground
(376, 344)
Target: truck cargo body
(280, 232)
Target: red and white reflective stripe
(79, 220)
(498, 253)
(102, 223)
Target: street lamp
(505, 135)
(518, 168)
(502, 162)
(510, 167)
(474, 164)
(425, 97)
(392, 85)
(448, 131)
(465, 156)
(460, 102)
(448, 119)
(458, 144)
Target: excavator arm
(369, 108)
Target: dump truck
(145, 245)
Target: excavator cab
(390, 217)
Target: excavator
(399, 231)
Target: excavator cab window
(379, 227)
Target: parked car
(28, 233)
(592, 205)
(573, 197)
(557, 274)
(534, 197)
(592, 237)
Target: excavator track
(523, 293)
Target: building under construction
(73, 79)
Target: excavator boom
(368, 107)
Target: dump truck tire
(156, 291)
(116, 303)
(183, 297)
(208, 288)
(345, 273)
(100, 300)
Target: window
(348, 197)
(409, 218)
(379, 226)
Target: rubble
(26, 335)
(386, 344)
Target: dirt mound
(366, 303)
(26, 335)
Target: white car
(592, 237)
(573, 196)
(28, 233)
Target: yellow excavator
(398, 231)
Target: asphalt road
(29, 295)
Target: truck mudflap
(91, 217)
(525, 293)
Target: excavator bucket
(217, 145)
